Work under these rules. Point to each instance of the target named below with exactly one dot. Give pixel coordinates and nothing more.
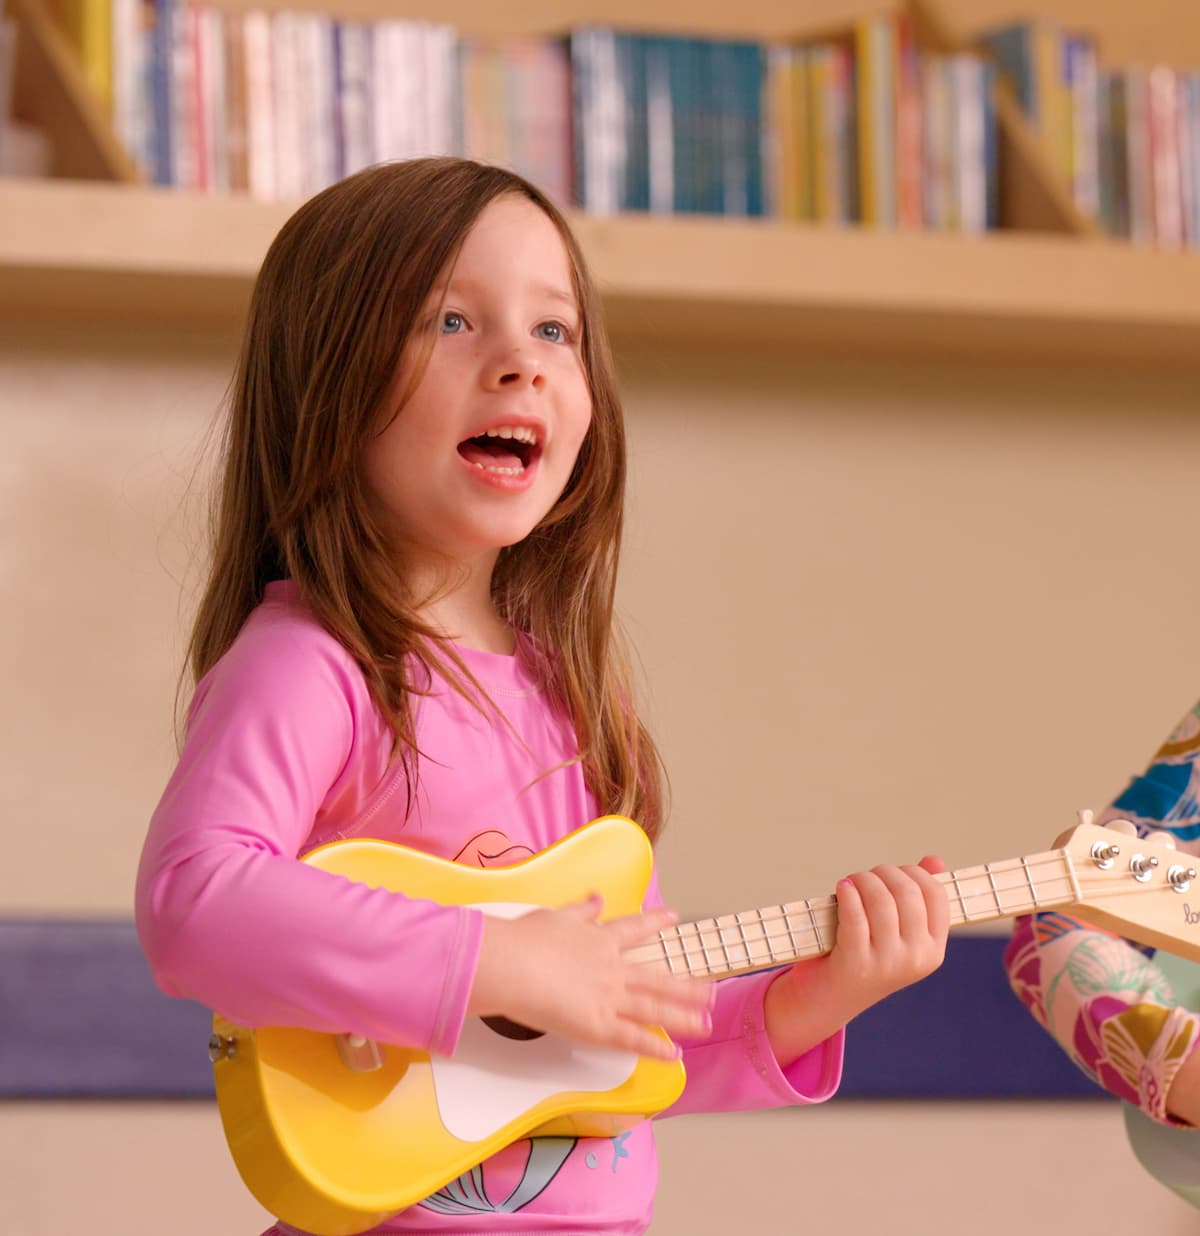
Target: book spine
(753, 62)
(779, 134)
(939, 104)
(317, 106)
(1189, 141)
(802, 100)
(635, 172)
(991, 146)
(823, 135)
(1114, 154)
(909, 153)
(1137, 140)
(876, 104)
(970, 143)
(1085, 123)
(161, 15)
(237, 147)
(285, 98)
(128, 94)
(1166, 194)
(261, 164)
(199, 119)
(661, 135)
(354, 96)
(729, 145)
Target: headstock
(1140, 887)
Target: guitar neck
(779, 935)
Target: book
(876, 56)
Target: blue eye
(554, 332)
(452, 323)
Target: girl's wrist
(491, 977)
(802, 1008)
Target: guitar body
(334, 1135)
(335, 1149)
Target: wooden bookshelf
(1049, 285)
(153, 255)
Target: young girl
(407, 634)
(1106, 1001)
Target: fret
(995, 891)
(766, 935)
(708, 965)
(721, 927)
(662, 939)
(683, 940)
(1076, 891)
(962, 905)
(1029, 880)
(741, 927)
(812, 918)
(724, 945)
(787, 922)
(729, 958)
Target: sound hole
(511, 1029)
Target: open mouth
(507, 451)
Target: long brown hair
(339, 294)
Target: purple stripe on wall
(80, 1017)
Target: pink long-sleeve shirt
(284, 751)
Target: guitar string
(709, 935)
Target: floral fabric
(1104, 999)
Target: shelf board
(88, 248)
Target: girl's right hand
(564, 972)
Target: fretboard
(778, 935)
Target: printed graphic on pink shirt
(492, 849)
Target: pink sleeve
(734, 1068)
(226, 914)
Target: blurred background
(906, 303)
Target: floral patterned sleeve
(1102, 998)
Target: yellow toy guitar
(333, 1134)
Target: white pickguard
(491, 1080)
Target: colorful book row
(870, 128)
(862, 127)
(1127, 140)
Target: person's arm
(733, 1067)
(1183, 1097)
(1109, 1007)
(282, 735)
(226, 913)
(892, 924)
(1103, 999)
(778, 1038)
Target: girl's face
(485, 445)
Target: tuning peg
(1180, 878)
(1123, 826)
(1161, 837)
(1104, 855)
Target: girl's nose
(514, 367)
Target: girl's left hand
(892, 928)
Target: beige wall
(883, 609)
